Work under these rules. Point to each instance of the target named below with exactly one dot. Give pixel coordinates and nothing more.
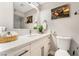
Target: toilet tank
(63, 42)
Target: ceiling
(24, 6)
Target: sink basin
(28, 36)
(32, 35)
(24, 38)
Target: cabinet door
(46, 46)
(36, 48)
(36, 51)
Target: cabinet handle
(5, 54)
(23, 53)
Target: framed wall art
(60, 12)
(29, 19)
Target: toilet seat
(61, 52)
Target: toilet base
(61, 52)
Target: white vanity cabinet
(35, 47)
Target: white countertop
(21, 40)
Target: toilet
(63, 45)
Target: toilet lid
(61, 52)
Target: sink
(28, 36)
(24, 38)
(32, 35)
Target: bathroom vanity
(34, 45)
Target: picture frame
(29, 19)
(60, 12)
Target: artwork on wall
(60, 12)
(29, 19)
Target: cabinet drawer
(23, 52)
(16, 51)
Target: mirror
(25, 14)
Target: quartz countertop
(20, 41)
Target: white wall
(63, 26)
(6, 14)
